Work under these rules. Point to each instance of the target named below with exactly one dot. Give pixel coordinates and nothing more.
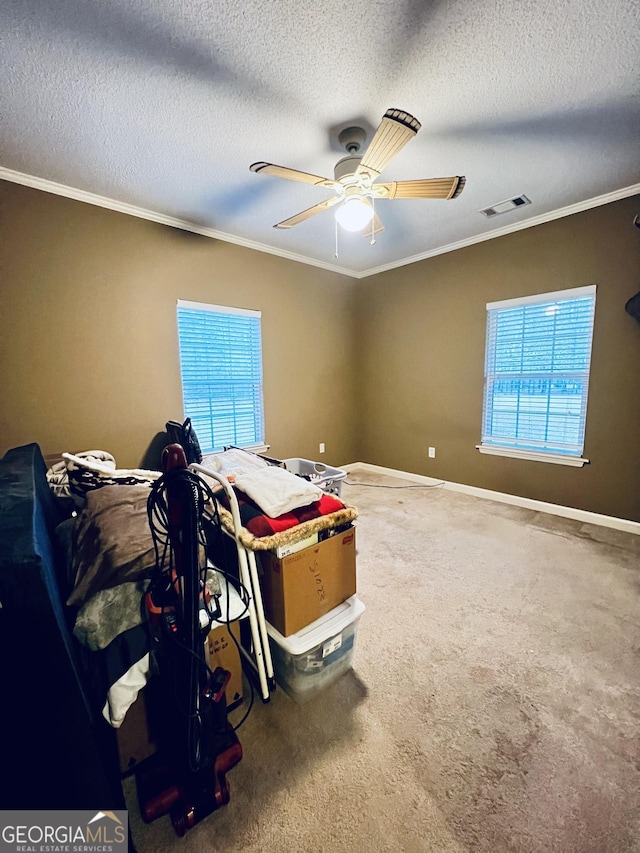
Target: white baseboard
(528, 503)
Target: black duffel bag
(185, 435)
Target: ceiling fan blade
(369, 231)
(426, 188)
(291, 174)
(393, 133)
(310, 211)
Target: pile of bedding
(110, 558)
(111, 554)
(276, 506)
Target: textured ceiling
(161, 106)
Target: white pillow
(277, 491)
(234, 461)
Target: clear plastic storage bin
(327, 478)
(310, 660)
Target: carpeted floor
(494, 703)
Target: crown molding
(184, 225)
(153, 216)
(580, 206)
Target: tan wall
(88, 340)
(378, 369)
(422, 335)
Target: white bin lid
(322, 629)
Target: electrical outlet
(321, 447)
(432, 453)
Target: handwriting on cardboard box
(315, 571)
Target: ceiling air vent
(504, 206)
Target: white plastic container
(310, 660)
(327, 478)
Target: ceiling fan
(354, 182)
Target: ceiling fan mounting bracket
(352, 139)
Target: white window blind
(221, 367)
(538, 355)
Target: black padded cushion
(29, 514)
(38, 667)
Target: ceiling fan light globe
(354, 214)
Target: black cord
(242, 591)
(232, 580)
(157, 510)
(243, 664)
(243, 594)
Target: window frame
(546, 455)
(206, 436)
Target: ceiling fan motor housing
(346, 167)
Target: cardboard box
(135, 742)
(302, 587)
(223, 652)
(135, 735)
(285, 550)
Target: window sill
(533, 456)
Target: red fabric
(259, 524)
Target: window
(537, 360)
(221, 367)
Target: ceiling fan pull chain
(373, 222)
(336, 224)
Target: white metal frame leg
(261, 660)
